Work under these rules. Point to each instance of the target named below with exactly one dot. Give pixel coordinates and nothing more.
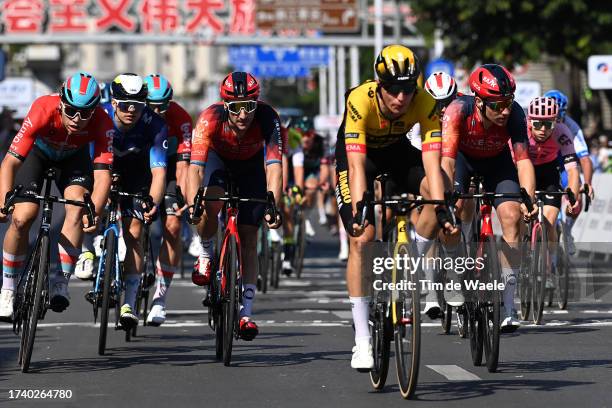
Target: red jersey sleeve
(103, 139)
(37, 118)
(452, 123)
(200, 143)
(182, 128)
(271, 129)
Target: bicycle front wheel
(524, 281)
(491, 308)
(33, 302)
(109, 274)
(380, 329)
(407, 328)
(300, 244)
(540, 266)
(231, 268)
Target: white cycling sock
(360, 310)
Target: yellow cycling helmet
(397, 63)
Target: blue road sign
(2, 65)
(267, 61)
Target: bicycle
(32, 293)
(484, 312)
(225, 292)
(398, 316)
(536, 260)
(108, 284)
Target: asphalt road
(302, 356)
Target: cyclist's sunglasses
(395, 89)
(130, 106)
(71, 112)
(159, 106)
(236, 106)
(539, 124)
(499, 105)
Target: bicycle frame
(231, 228)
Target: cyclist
(372, 139)
(179, 124)
(294, 193)
(475, 134)
(230, 136)
(443, 88)
(582, 151)
(56, 133)
(547, 140)
(140, 159)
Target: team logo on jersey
(343, 187)
(355, 115)
(351, 136)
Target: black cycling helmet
(129, 86)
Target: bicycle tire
(491, 315)
(408, 335)
(475, 330)
(300, 244)
(32, 315)
(462, 322)
(109, 274)
(264, 258)
(539, 275)
(230, 302)
(524, 282)
(380, 330)
(276, 265)
(563, 279)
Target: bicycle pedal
(405, 321)
(90, 297)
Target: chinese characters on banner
(127, 16)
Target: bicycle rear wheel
(491, 308)
(276, 264)
(264, 258)
(381, 331)
(230, 299)
(33, 302)
(524, 280)
(109, 274)
(539, 273)
(407, 329)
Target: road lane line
(454, 373)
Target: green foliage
(518, 31)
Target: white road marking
(454, 373)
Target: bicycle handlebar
(586, 189)
(12, 195)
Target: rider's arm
(517, 129)
(184, 149)
(431, 144)
(274, 154)
(199, 154)
(565, 143)
(158, 164)
(10, 165)
(451, 132)
(298, 168)
(103, 160)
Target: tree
(519, 31)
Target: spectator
(594, 156)
(603, 154)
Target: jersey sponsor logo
(489, 81)
(147, 118)
(351, 135)
(355, 115)
(565, 140)
(431, 147)
(371, 93)
(27, 124)
(186, 128)
(110, 134)
(343, 188)
(165, 144)
(355, 148)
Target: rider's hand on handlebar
(445, 221)
(529, 215)
(273, 220)
(149, 216)
(589, 187)
(573, 210)
(86, 226)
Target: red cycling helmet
(492, 81)
(542, 107)
(239, 85)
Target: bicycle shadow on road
(549, 366)
(282, 359)
(463, 390)
(547, 330)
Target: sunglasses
(71, 112)
(159, 106)
(130, 106)
(397, 88)
(539, 124)
(236, 106)
(499, 106)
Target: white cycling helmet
(441, 86)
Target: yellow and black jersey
(366, 126)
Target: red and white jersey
(43, 126)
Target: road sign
(439, 64)
(600, 71)
(329, 16)
(269, 62)
(2, 65)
